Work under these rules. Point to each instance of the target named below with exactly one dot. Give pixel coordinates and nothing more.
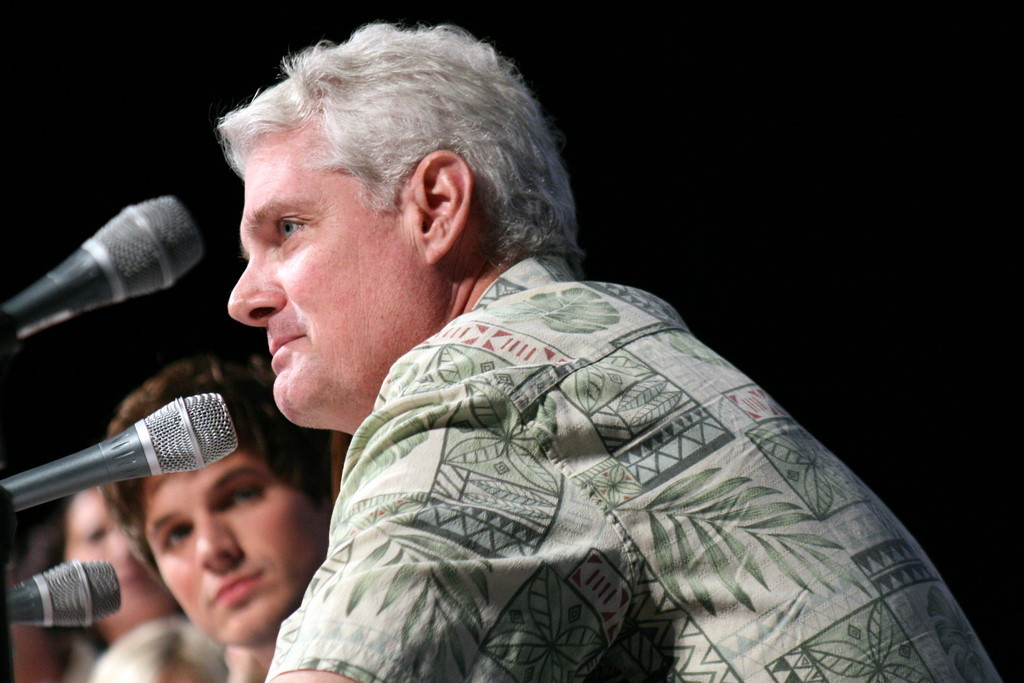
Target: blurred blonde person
(169, 650)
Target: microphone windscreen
(82, 592)
(151, 244)
(192, 432)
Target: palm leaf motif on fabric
(869, 645)
(548, 632)
(623, 397)
(574, 311)
(645, 301)
(824, 484)
(491, 423)
(441, 588)
(365, 513)
(384, 439)
(707, 529)
(495, 492)
(403, 375)
(612, 482)
(662, 642)
(686, 343)
(490, 437)
(453, 364)
(958, 639)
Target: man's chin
(255, 621)
(298, 402)
(310, 397)
(288, 400)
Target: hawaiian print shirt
(564, 484)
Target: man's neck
(246, 664)
(466, 292)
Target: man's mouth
(237, 590)
(276, 343)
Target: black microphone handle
(122, 457)
(144, 248)
(77, 285)
(24, 603)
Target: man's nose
(254, 298)
(216, 546)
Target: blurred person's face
(236, 545)
(92, 536)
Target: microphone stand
(9, 346)
(8, 336)
(7, 524)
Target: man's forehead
(270, 169)
(210, 477)
(283, 166)
(151, 486)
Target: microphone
(186, 434)
(70, 594)
(144, 248)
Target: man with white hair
(549, 479)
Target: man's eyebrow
(155, 527)
(253, 220)
(235, 473)
(256, 217)
(221, 482)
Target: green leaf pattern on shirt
(442, 585)
(957, 637)
(573, 311)
(547, 633)
(704, 521)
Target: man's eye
(288, 228)
(176, 535)
(96, 536)
(246, 494)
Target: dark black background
(813, 193)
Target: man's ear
(439, 203)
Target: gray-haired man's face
(339, 287)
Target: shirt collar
(532, 272)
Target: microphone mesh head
(152, 244)
(191, 433)
(71, 603)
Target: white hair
(390, 96)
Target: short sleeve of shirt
(458, 549)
